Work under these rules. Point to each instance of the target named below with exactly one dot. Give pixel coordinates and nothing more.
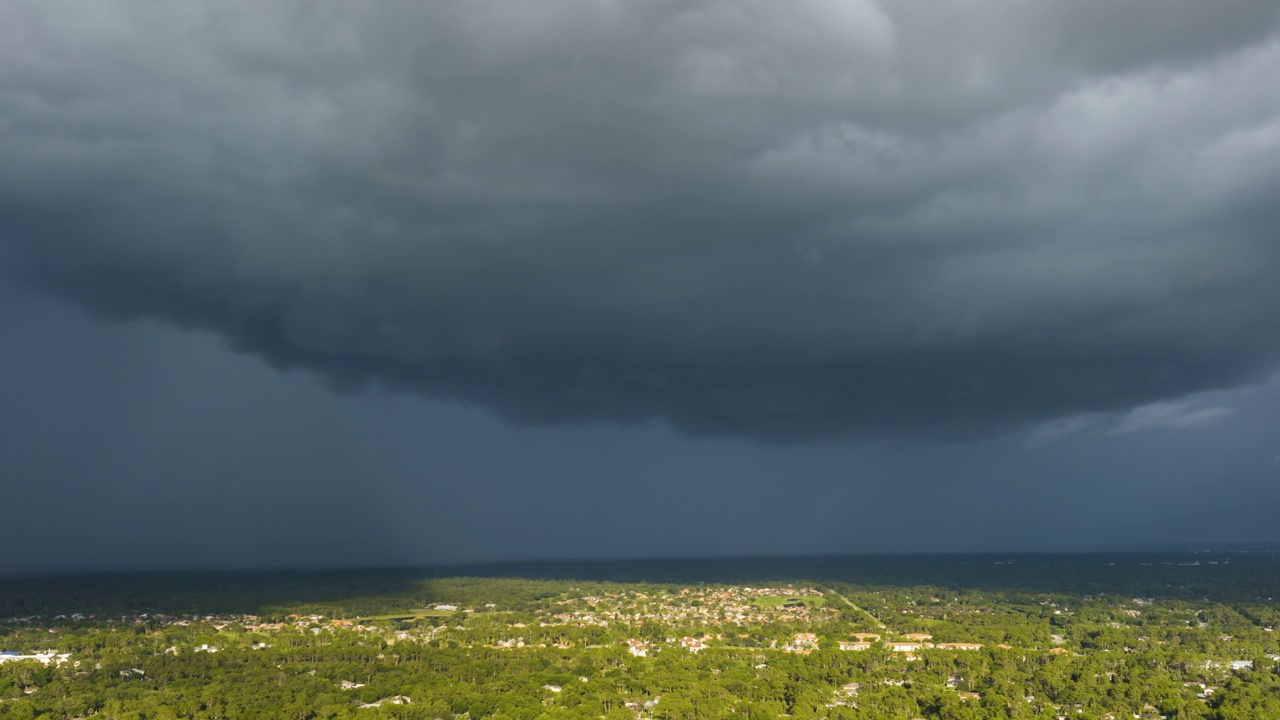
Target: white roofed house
(393, 700)
(47, 657)
(848, 645)
(906, 646)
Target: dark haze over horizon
(325, 284)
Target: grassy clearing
(421, 613)
(768, 601)
(407, 615)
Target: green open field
(407, 615)
(812, 601)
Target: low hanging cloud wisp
(1171, 415)
(783, 221)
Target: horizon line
(1238, 547)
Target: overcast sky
(355, 283)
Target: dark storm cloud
(782, 220)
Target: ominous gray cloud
(138, 445)
(783, 220)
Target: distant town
(1167, 645)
